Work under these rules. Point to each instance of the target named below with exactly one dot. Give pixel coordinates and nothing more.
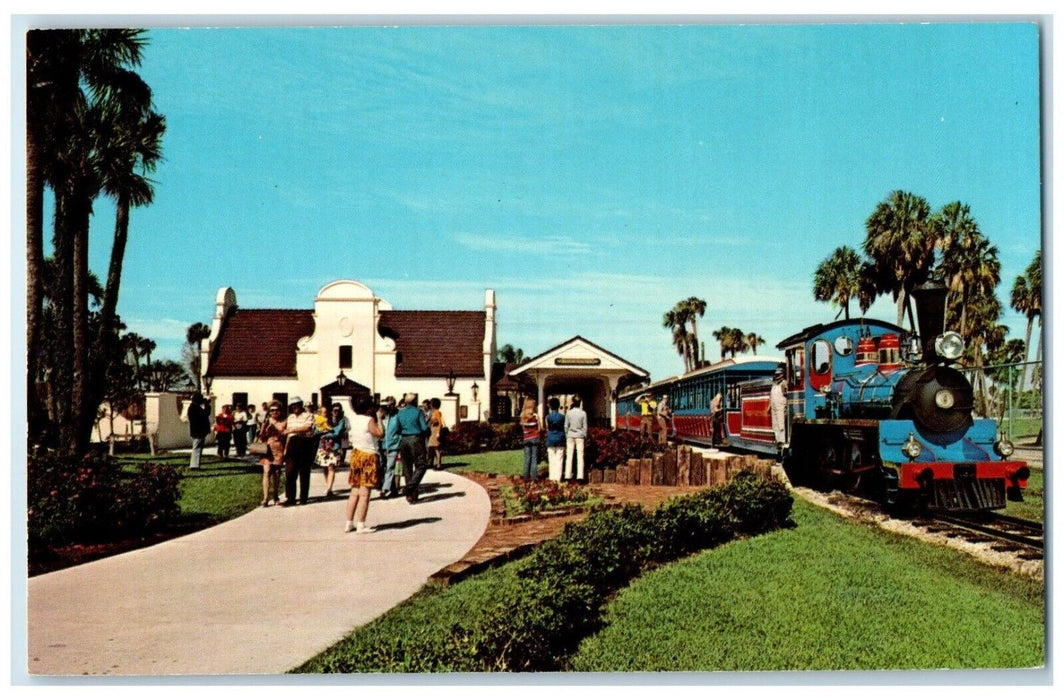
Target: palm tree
(676, 320)
(737, 342)
(837, 279)
(969, 263)
(191, 352)
(1027, 299)
(74, 77)
(753, 340)
(696, 309)
(901, 244)
(723, 335)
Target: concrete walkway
(256, 595)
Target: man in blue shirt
(413, 429)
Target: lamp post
(475, 388)
(341, 379)
(450, 382)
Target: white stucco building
(351, 343)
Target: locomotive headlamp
(944, 399)
(1004, 447)
(949, 345)
(912, 448)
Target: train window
(820, 362)
(844, 345)
(795, 363)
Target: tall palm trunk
(34, 269)
(62, 299)
(83, 415)
(1027, 352)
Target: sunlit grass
(828, 595)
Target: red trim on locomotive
(909, 473)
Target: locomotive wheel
(828, 461)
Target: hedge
(537, 617)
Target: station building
(352, 343)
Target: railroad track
(1025, 538)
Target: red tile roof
(434, 343)
(260, 342)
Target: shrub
(470, 437)
(93, 500)
(606, 449)
(603, 551)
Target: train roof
(755, 362)
(821, 328)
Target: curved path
(256, 595)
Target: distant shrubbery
(535, 619)
(94, 500)
(467, 438)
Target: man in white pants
(575, 434)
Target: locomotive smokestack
(930, 300)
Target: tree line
(91, 131)
(682, 320)
(907, 244)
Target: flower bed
(537, 496)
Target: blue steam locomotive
(870, 407)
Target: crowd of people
(294, 439)
(374, 443)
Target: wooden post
(622, 474)
(657, 470)
(594, 476)
(609, 476)
(720, 471)
(683, 469)
(669, 461)
(633, 471)
(698, 471)
(683, 463)
(645, 471)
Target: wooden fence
(681, 466)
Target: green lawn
(218, 491)
(505, 463)
(828, 595)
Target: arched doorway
(345, 392)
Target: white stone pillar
(541, 384)
(613, 381)
(449, 409)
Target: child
(321, 421)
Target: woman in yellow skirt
(365, 432)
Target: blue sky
(591, 175)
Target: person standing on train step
(777, 409)
(647, 408)
(716, 418)
(664, 419)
